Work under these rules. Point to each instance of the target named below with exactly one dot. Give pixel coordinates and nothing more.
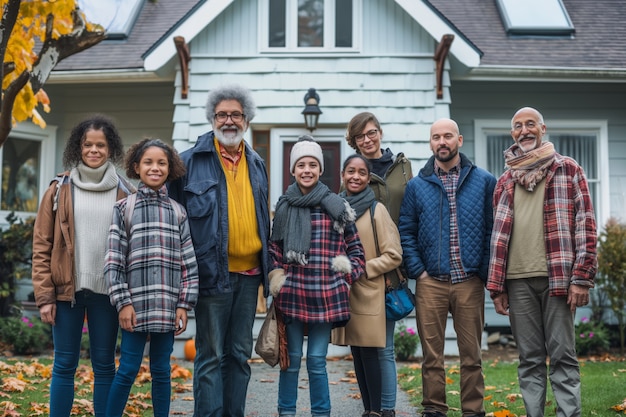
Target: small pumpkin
(190, 349)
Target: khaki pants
(466, 302)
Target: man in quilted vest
(445, 228)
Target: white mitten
(277, 279)
(341, 263)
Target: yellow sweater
(244, 244)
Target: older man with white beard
(225, 192)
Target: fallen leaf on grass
(620, 407)
(513, 397)
(12, 384)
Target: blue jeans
(133, 344)
(317, 348)
(223, 346)
(387, 359)
(67, 334)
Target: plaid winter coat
(569, 225)
(154, 268)
(314, 293)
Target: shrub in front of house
(25, 335)
(591, 337)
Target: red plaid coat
(569, 224)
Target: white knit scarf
(94, 193)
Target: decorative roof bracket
(182, 50)
(440, 58)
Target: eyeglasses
(529, 125)
(370, 134)
(235, 116)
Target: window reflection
(310, 23)
(20, 175)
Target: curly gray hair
(230, 92)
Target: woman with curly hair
(69, 244)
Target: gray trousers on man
(543, 328)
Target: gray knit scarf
(292, 221)
(360, 202)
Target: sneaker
(389, 413)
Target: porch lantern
(311, 109)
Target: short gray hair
(230, 92)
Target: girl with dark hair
(152, 273)
(365, 332)
(69, 243)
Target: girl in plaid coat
(316, 255)
(152, 273)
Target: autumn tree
(35, 35)
(612, 271)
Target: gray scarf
(360, 202)
(292, 221)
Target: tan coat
(53, 244)
(367, 323)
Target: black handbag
(400, 301)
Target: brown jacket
(53, 242)
(367, 323)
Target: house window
(308, 25)
(27, 167)
(116, 16)
(584, 141)
(535, 17)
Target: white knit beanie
(306, 146)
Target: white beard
(229, 139)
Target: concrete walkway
(263, 393)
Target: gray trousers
(543, 328)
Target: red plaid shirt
(569, 224)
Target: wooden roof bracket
(182, 50)
(440, 58)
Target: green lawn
(603, 387)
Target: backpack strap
(60, 179)
(128, 212)
(131, 200)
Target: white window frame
(291, 29)
(599, 128)
(47, 137)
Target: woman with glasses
(389, 176)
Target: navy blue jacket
(204, 194)
(425, 221)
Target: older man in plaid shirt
(543, 261)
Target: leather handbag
(400, 301)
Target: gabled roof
(154, 21)
(597, 50)
(599, 42)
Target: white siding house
(374, 55)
